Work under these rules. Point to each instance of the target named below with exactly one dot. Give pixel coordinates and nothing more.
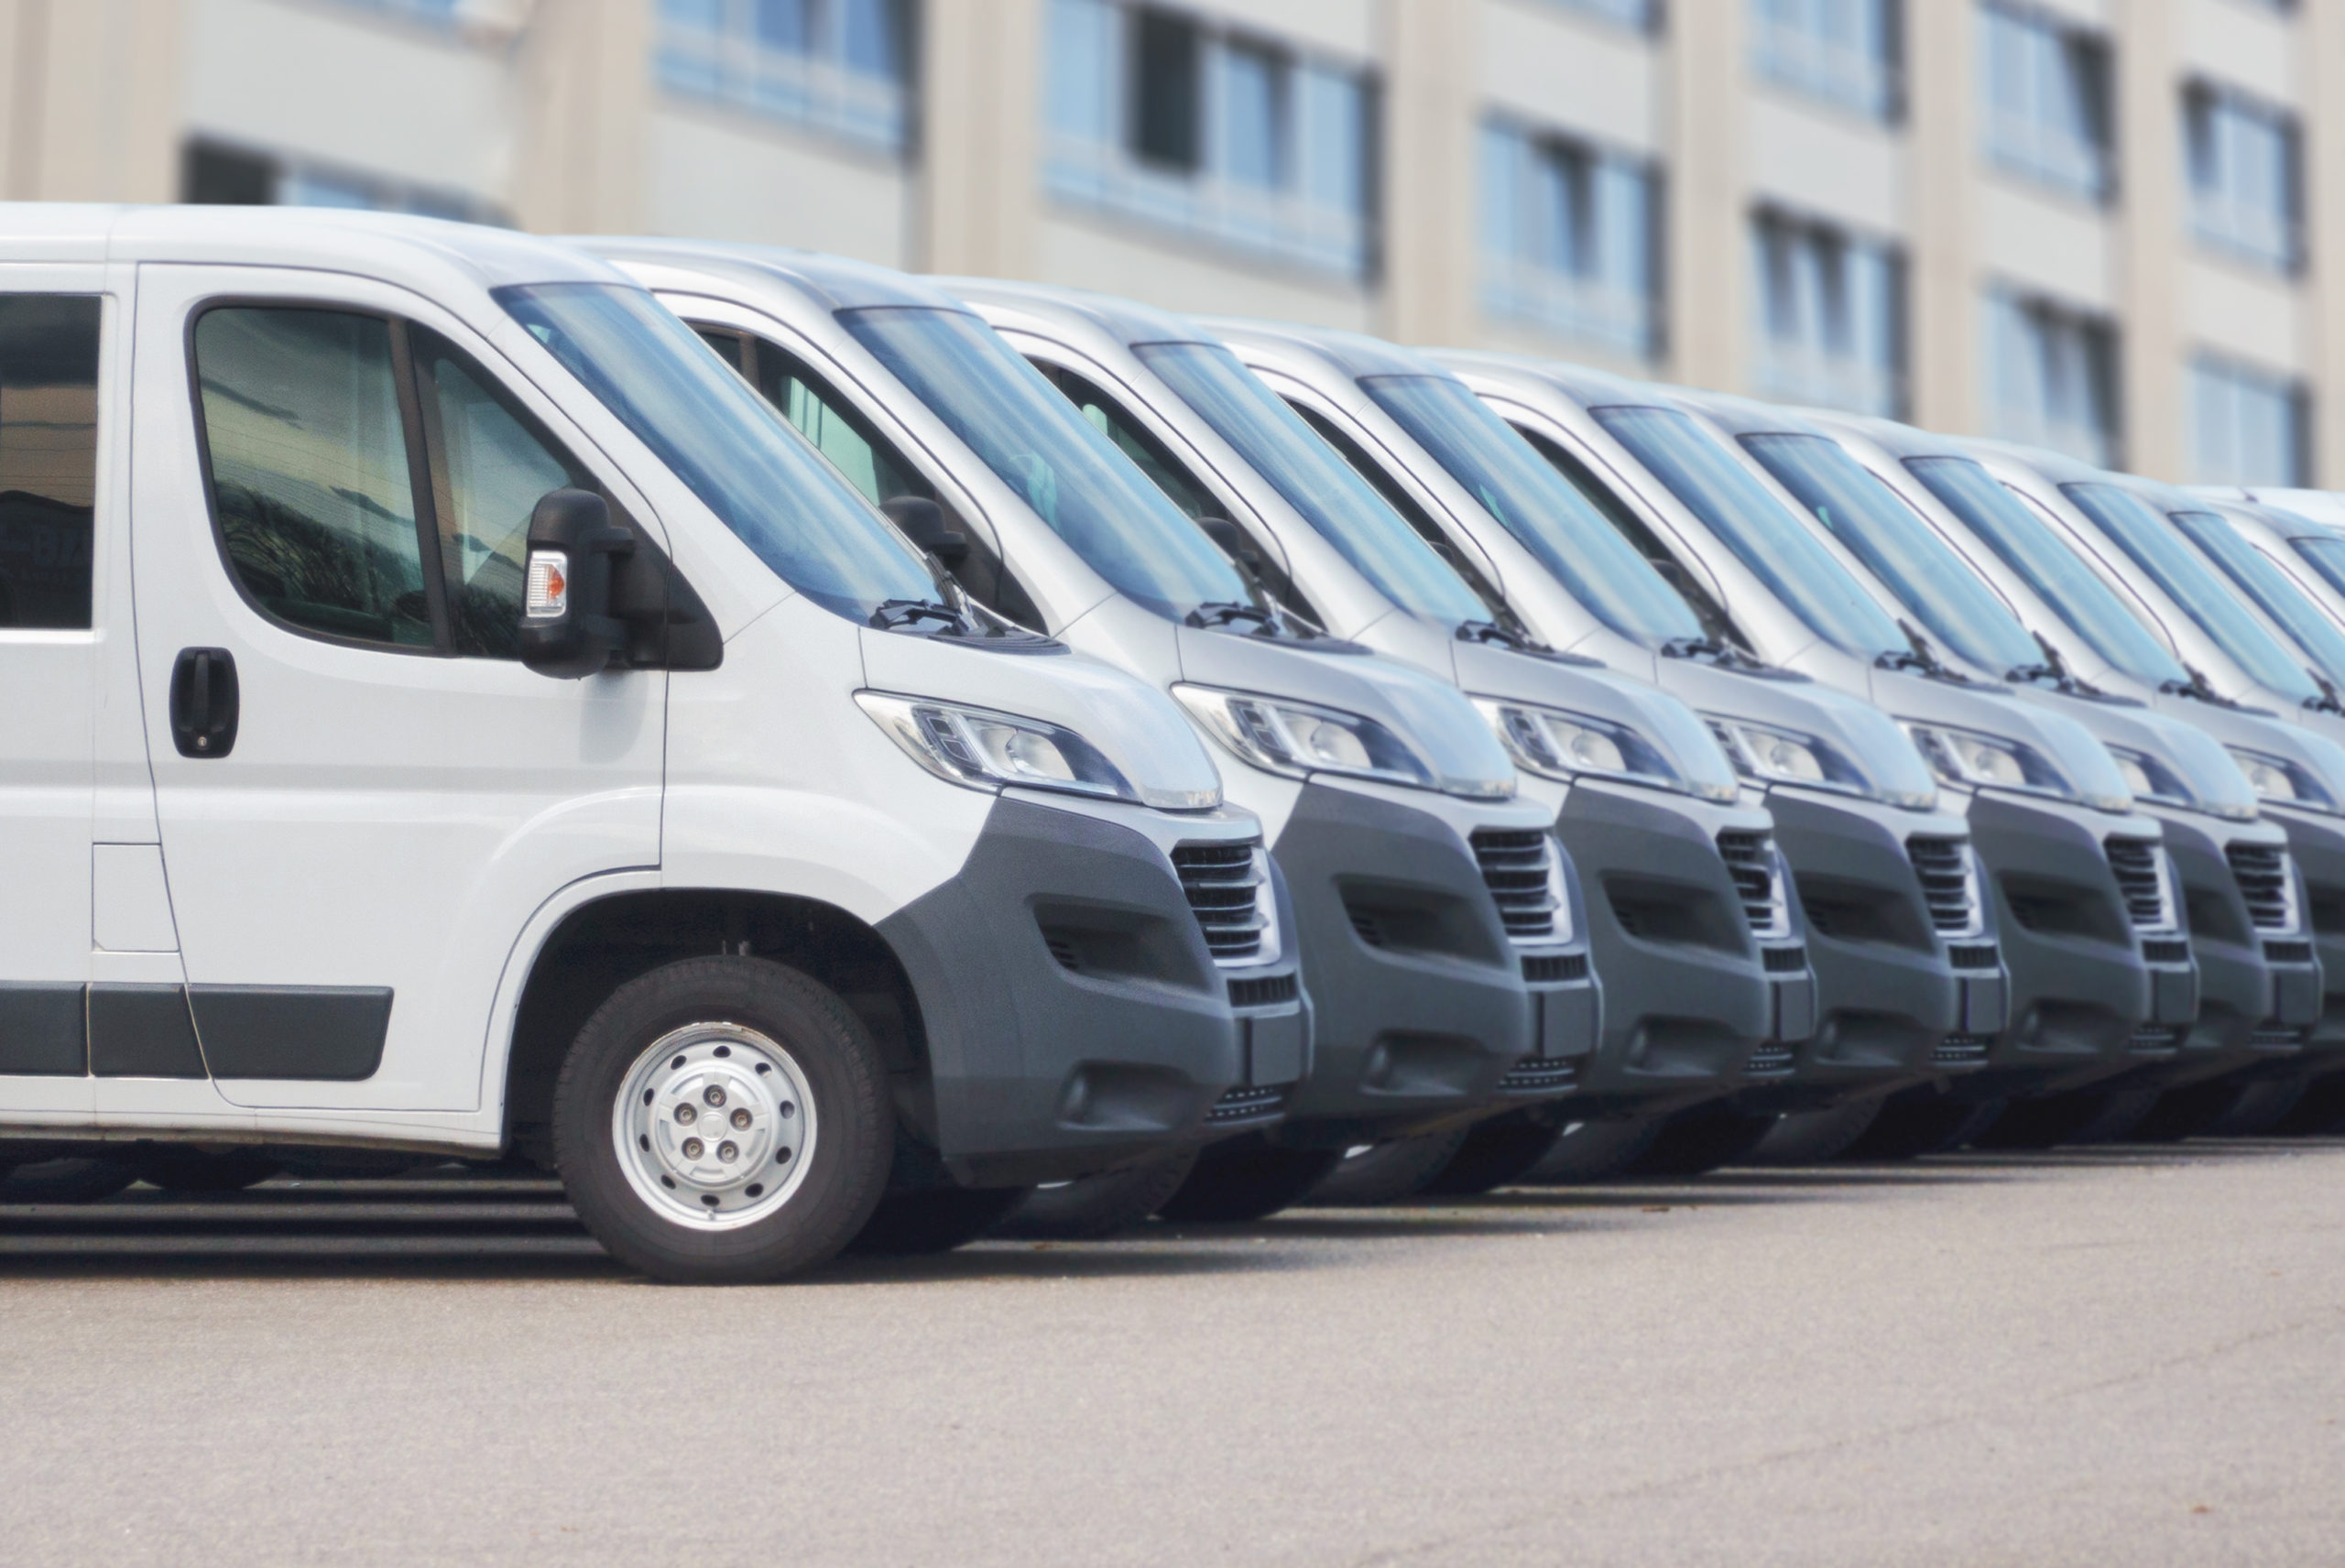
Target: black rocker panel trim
(324, 1033)
(43, 1031)
(142, 1031)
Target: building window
(2247, 426)
(1831, 316)
(840, 67)
(1570, 238)
(2047, 86)
(1234, 136)
(2052, 377)
(1844, 51)
(2245, 187)
(441, 13)
(217, 173)
(1638, 16)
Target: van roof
(327, 238)
(834, 282)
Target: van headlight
(1765, 754)
(986, 750)
(1299, 739)
(1974, 761)
(1554, 744)
(2151, 779)
(2283, 782)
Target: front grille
(2174, 950)
(2157, 1040)
(2262, 872)
(2136, 863)
(2279, 1037)
(2288, 953)
(1538, 1074)
(1263, 993)
(1224, 883)
(1365, 926)
(1783, 959)
(1245, 1105)
(1981, 955)
(1516, 868)
(1944, 866)
(1772, 1056)
(1546, 968)
(1064, 951)
(1960, 1051)
(1750, 860)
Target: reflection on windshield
(2325, 556)
(1898, 548)
(754, 472)
(1703, 473)
(2027, 545)
(2136, 527)
(1533, 503)
(1067, 470)
(2313, 632)
(1332, 498)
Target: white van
(493, 728)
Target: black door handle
(203, 702)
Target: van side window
(308, 461)
(490, 462)
(1401, 501)
(1162, 469)
(49, 457)
(870, 464)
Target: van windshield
(1065, 468)
(1899, 549)
(2311, 630)
(1701, 471)
(1334, 499)
(2134, 526)
(1554, 522)
(759, 477)
(2026, 544)
(2324, 555)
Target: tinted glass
(2026, 544)
(1701, 471)
(870, 464)
(490, 465)
(310, 469)
(755, 473)
(2136, 527)
(2325, 556)
(2313, 632)
(1139, 449)
(1928, 579)
(1312, 479)
(1065, 467)
(49, 457)
(1531, 501)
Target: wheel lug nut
(687, 1114)
(728, 1151)
(695, 1148)
(712, 1095)
(741, 1117)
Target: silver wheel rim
(715, 1125)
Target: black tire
(2080, 1117)
(929, 1220)
(176, 1167)
(1233, 1186)
(1592, 1152)
(1497, 1153)
(2262, 1109)
(2319, 1114)
(353, 1164)
(1927, 1123)
(71, 1180)
(2190, 1111)
(1695, 1142)
(1387, 1173)
(1813, 1138)
(853, 1143)
(1091, 1208)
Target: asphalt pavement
(2129, 1355)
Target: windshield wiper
(1710, 651)
(1226, 612)
(1499, 634)
(2327, 701)
(893, 615)
(2197, 686)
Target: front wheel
(1697, 1142)
(1379, 1173)
(199, 1172)
(78, 1179)
(722, 1121)
(1230, 1186)
(1593, 1151)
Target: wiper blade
(1711, 650)
(894, 614)
(1492, 632)
(1223, 613)
(2197, 686)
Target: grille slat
(2136, 863)
(1223, 883)
(1750, 860)
(2172, 951)
(1783, 959)
(2262, 873)
(1981, 955)
(1772, 1056)
(2288, 953)
(1264, 992)
(1517, 869)
(1943, 866)
(1547, 968)
(1243, 1104)
(1961, 1050)
(1537, 1074)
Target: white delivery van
(446, 710)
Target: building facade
(2112, 227)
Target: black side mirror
(1232, 541)
(923, 522)
(567, 628)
